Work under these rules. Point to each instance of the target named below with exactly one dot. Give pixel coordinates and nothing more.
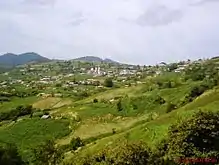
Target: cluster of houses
(121, 72)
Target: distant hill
(95, 59)
(11, 60)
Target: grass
(7, 106)
(51, 102)
(154, 131)
(29, 133)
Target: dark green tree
(76, 143)
(47, 154)
(119, 105)
(172, 67)
(108, 82)
(197, 136)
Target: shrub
(17, 112)
(38, 114)
(114, 130)
(159, 100)
(119, 105)
(47, 154)
(194, 137)
(95, 100)
(76, 143)
(9, 155)
(123, 154)
(108, 82)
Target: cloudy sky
(133, 31)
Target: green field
(7, 106)
(29, 133)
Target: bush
(17, 112)
(76, 143)
(114, 130)
(108, 82)
(9, 155)
(119, 105)
(194, 137)
(159, 100)
(123, 154)
(95, 100)
(47, 153)
(38, 114)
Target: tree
(95, 100)
(108, 82)
(119, 105)
(9, 155)
(136, 153)
(194, 137)
(47, 154)
(76, 143)
(172, 67)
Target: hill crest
(95, 59)
(12, 60)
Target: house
(162, 64)
(46, 117)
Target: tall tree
(47, 154)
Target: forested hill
(11, 60)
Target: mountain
(107, 60)
(95, 59)
(11, 60)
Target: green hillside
(141, 120)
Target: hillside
(12, 60)
(106, 124)
(95, 59)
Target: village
(90, 75)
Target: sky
(130, 31)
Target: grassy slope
(51, 102)
(152, 132)
(7, 106)
(29, 133)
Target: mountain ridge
(12, 60)
(95, 59)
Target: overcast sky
(133, 31)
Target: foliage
(15, 113)
(76, 143)
(9, 155)
(199, 72)
(123, 154)
(194, 92)
(95, 100)
(28, 133)
(194, 137)
(108, 82)
(119, 105)
(47, 154)
(172, 67)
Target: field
(29, 133)
(7, 106)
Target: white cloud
(134, 31)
